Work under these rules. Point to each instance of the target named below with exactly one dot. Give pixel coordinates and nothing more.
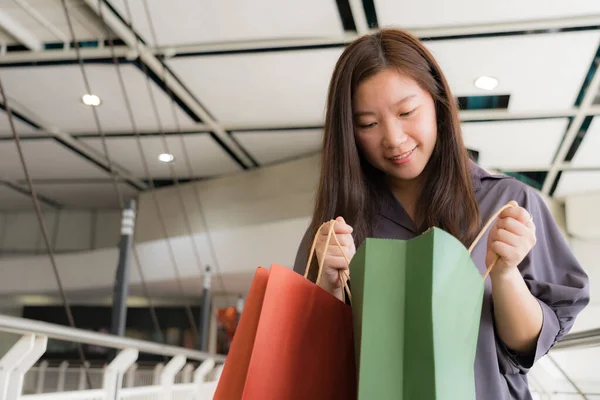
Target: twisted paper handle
(485, 228)
(342, 274)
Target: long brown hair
(349, 186)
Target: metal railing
(174, 380)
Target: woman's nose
(393, 136)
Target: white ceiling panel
(588, 153)
(87, 26)
(436, 13)
(279, 87)
(207, 157)
(46, 159)
(54, 94)
(577, 182)
(86, 195)
(11, 200)
(232, 20)
(515, 144)
(272, 146)
(540, 72)
(21, 127)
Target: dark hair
(349, 186)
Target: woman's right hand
(334, 260)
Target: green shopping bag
(416, 313)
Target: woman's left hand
(512, 237)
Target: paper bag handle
(342, 273)
(485, 228)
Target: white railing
(118, 380)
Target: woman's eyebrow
(359, 113)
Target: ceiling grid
(250, 91)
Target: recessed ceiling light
(91, 100)
(486, 83)
(166, 157)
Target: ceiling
(237, 86)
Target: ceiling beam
(23, 57)
(42, 20)
(346, 38)
(594, 110)
(292, 43)
(25, 191)
(541, 168)
(512, 26)
(578, 340)
(147, 57)
(75, 145)
(499, 115)
(19, 32)
(574, 128)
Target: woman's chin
(406, 173)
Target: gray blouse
(550, 271)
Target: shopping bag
(233, 377)
(294, 341)
(416, 313)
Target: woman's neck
(407, 193)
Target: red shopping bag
(294, 341)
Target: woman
(394, 164)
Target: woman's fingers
(337, 262)
(507, 237)
(343, 240)
(518, 213)
(340, 227)
(334, 250)
(340, 250)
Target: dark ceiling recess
(371, 14)
(160, 183)
(83, 43)
(492, 102)
(474, 154)
(346, 15)
(532, 178)
(579, 138)
(347, 18)
(588, 78)
(555, 184)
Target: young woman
(394, 164)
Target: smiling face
(395, 124)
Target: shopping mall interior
(154, 154)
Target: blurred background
(173, 147)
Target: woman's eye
(408, 113)
(366, 126)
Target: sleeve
(554, 277)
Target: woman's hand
(334, 260)
(517, 313)
(512, 237)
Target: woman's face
(395, 124)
